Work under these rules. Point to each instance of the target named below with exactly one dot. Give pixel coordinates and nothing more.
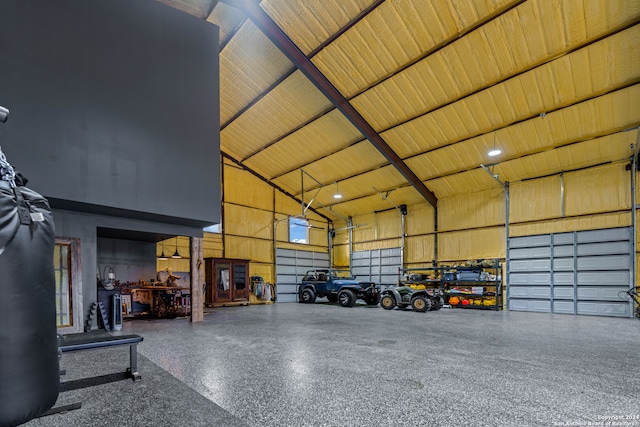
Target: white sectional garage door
(291, 265)
(582, 272)
(378, 265)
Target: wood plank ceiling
(554, 84)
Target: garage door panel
(562, 251)
(589, 270)
(563, 264)
(530, 292)
(516, 279)
(530, 305)
(611, 262)
(563, 239)
(609, 248)
(563, 292)
(382, 265)
(604, 309)
(530, 265)
(564, 307)
(291, 266)
(596, 278)
(608, 235)
(526, 253)
(563, 279)
(601, 294)
(529, 241)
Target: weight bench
(91, 341)
(99, 339)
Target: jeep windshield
(341, 274)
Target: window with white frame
(298, 230)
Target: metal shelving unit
(480, 287)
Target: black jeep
(336, 285)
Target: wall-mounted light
(176, 254)
(337, 194)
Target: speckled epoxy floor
(324, 365)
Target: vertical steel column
(330, 232)
(350, 227)
(634, 225)
(402, 240)
(505, 279)
(435, 234)
(562, 192)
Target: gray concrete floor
(324, 365)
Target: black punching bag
(29, 369)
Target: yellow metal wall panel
(287, 106)
(420, 249)
(600, 189)
(535, 200)
(323, 137)
(472, 244)
(462, 183)
(309, 23)
(614, 111)
(247, 248)
(394, 34)
(504, 46)
(554, 85)
(227, 18)
(560, 225)
(579, 155)
(388, 224)
(420, 219)
(340, 255)
(242, 188)
(212, 246)
(365, 228)
(479, 209)
(249, 64)
(244, 221)
(377, 244)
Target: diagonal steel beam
(295, 55)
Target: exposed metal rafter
(295, 55)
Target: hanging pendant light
(176, 253)
(495, 151)
(162, 255)
(337, 194)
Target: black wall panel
(114, 107)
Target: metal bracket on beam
(494, 176)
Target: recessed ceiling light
(494, 152)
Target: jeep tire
(307, 296)
(346, 298)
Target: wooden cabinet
(227, 281)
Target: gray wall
(131, 260)
(114, 107)
(84, 226)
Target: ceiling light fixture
(176, 253)
(495, 151)
(337, 194)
